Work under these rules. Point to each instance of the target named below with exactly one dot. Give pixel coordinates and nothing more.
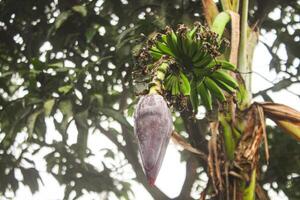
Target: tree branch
(280, 85)
(197, 129)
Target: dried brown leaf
(210, 10)
(177, 139)
(211, 170)
(261, 193)
(284, 116)
(277, 111)
(247, 150)
(263, 124)
(250, 117)
(251, 152)
(227, 181)
(214, 126)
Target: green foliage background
(85, 78)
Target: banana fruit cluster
(193, 48)
(195, 70)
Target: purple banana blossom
(153, 128)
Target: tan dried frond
(284, 116)
(177, 139)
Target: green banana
(155, 55)
(154, 48)
(184, 85)
(191, 42)
(228, 137)
(193, 47)
(185, 45)
(180, 44)
(169, 81)
(172, 42)
(172, 84)
(164, 48)
(206, 70)
(205, 96)
(223, 64)
(203, 62)
(198, 54)
(192, 32)
(224, 86)
(194, 95)
(226, 65)
(164, 38)
(176, 87)
(190, 46)
(224, 77)
(174, 92)
(215, 90)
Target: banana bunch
(193, 48)
(198, 73)
(212, 83)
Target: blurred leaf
(109, 153)
(179, 125)
(117, 116)
(130, 110)
(66, 107)
(31, 121)
(61, 19)
(91, 31)
(40, 127)
(14, 184)
(65, 89)
(99, 99)
(131, 107)
(80, 9)
(126, 36)
(37, 64)
(127, 190)
(30, 178)
(48, 105)
(57, 65)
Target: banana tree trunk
(234, 177)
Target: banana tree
(188, 67)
